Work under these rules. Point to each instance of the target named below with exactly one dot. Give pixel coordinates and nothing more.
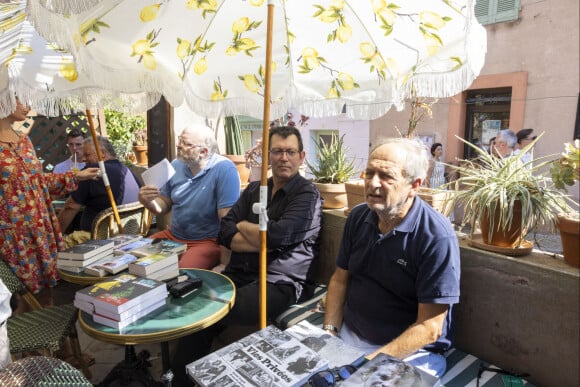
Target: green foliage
(333, 165)
(566, 170)
(489, 182)
(124, 130)
(234, 142)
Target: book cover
(87, 249)
(131, 318)
(121, 250)
(72, 269)
(330, 347)
(163, 245)
(121, 292)
(385, 370)
(152, 263)
(95, 270)
(121, 240)
(116, 263)
(269, 357)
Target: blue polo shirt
(417, 262)
(196, 199)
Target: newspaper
(267, 358)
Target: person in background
(398, 268)
(505, 143)
(491, 145)
(92, 195)
(5, 312)
(524, 138)
(199, 195)
(294, 212)
(436, 172)
(253, 158)
(75, 144)
(30, 234)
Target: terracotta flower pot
(569, 226)
(140, 152)
(243, 171)
(334, 195)
(511, 237)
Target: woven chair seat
(41, 329)
(41, 371)
(134, 217)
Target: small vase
(140, 152)
(569, 226)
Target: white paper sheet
(158, 174)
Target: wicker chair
(42, 329)
(135, 219)
(41, 371)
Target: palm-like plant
(489, 185)
(334, 166)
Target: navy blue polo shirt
(417, 262)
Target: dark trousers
(245, 312)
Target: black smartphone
(185, 288)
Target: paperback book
(162, 245)
(73, 269)
(87, 250)
(330, 347)
(165, 274)
(269, 357)
(154, 262)
(121, 240)
(83, 263)
(124, 249)
(130, 319)
(122, 292)
(112, 265)
(385, 370)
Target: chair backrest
(135, 219)
(15, 286)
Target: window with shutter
(496, 11)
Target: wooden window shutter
(496, 11)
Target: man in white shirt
(75, 144)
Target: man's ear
(416, 184)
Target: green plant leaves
(333, 164)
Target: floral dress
(29, 230)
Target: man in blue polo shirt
(201, 192)
(398, 267)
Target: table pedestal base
(133, 369)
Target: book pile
(121, 300)
(76, 258)
(269, 357)
(158, 245)
(161, 266)
(110, 265)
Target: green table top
(179, 316)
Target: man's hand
(148, 195)
(88, 174)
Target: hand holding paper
(159, 174)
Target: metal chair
(41, 371)
(135, 219)
(42, 329)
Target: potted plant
(125, 131)
(565, 171)
(507, 198)
(234, 147)
(334, 168)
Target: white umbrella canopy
(227, 57)
(46, 76)
(325, 54)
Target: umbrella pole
(103, 171)
(264, 179)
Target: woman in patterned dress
(30, 234)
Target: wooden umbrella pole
(264, 180)
(103, 171)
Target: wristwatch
(330, 328)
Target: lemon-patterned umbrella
(320, 57)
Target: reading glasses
(280, 152)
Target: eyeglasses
(328, 378)
(508, 378)
(280, 152)
(186, 145)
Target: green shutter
(496, 11)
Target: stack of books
(122, 300)
(110, 265)
(269, 357)
(158, 245)
(161, 266)
(76, 258)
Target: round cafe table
(178, 318)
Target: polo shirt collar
(407, 224)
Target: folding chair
(43, 329)
(135, 219)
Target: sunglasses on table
(328, 378)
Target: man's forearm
(242, 245)
(333, 309)
(66, 216)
